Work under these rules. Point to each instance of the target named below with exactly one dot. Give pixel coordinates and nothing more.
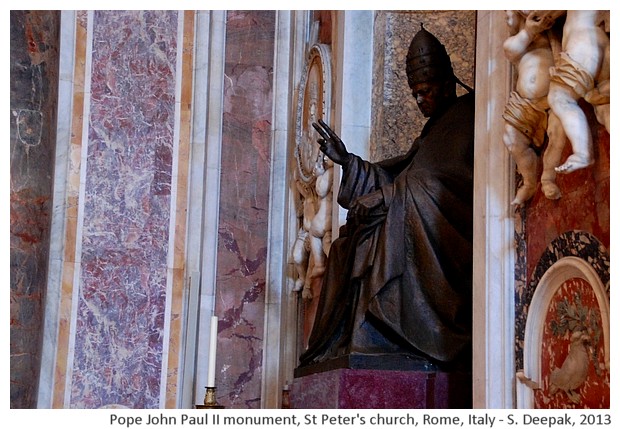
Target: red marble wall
(574, 308)
(584, 204)
(33, 104)
(578, 225)
(242, 243)
(125, 239)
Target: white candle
(212, 352)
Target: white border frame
(564, 269)
(494, 250)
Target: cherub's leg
(316, 249)
(552, 156)
(519, 146)
(563, 102)
(316, 267)
(300, 259)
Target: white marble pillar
(353, 60)
(206, 172)
(493, 324)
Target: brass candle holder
(210, 400)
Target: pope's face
(428, 96)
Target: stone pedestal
(374, 388)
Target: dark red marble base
(371, 388)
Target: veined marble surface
(119, 325)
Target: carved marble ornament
(559, 57)
(314, 172)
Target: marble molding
(67, 179)
(178, 277)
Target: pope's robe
(399, 277)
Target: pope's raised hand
(330, 144)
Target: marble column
(34, 98)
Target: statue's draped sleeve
(362, 177)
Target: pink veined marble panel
(242, 241)
(120, 316)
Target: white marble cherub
(526, 113)
(599, 96)
(583, 64)
(314, 236)
(574, 370)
